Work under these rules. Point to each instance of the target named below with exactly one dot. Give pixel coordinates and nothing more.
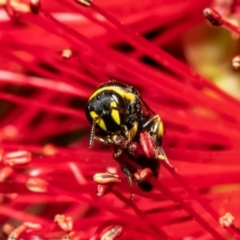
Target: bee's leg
(134, 149)
(125, 131)
(161, 155)
(157, 129)
(128, 175)
(157, 135)
(130, 134)
(152, 140)
(117, 153)
(133, 130)
(150, 148)
(106, 141)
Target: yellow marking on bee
(128, 96)
(114, 113)
(100, 122)
(160, 129)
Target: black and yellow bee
(120, 115)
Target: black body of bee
(115, 108)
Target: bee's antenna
(92, 133)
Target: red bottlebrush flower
(16, 158)
(65, 223)
(53, 56)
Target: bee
(119, 117)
